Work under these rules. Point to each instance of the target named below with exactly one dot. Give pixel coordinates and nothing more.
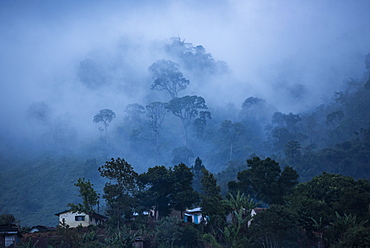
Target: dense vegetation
(330, 210)
(173, 125)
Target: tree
(120, 191)
(168, 188)
(211, 195)
(184, 196)
(181, 155)
(286, 120)
(334, 118)
(358, 236)
(241, 208)
(231, 132)
(211, 202)
(275, 227)
(157, 186)
(201, 121)
(197, 170)
(167, 76)
(89, 197)
(7, 219)
(167, 232)
(265, 181)
(284, 129)
(105, 116)
(186, 108)
(195, 58)
(341, 225)
(292, 150)
(328, 194)
(156, 112)
(134, 112)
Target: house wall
(10, 240)
(70, 219)
(196, 218)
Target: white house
(79, 218)
(193, 215)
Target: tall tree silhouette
(168, 77)
(105, 116)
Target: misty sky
(292, 53)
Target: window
(80, 218)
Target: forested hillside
(175, 120)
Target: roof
(10, 229)
(40, 228)
(194, 210)
(259, 210)
(94, 215)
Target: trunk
(106, 134)
(186, 136)
(157, 152)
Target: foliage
(241, 208)
(181, 155)
(124, 238)
(358, 236)
(211, 199)
(195, 58)
(165, 189)
(89, 197)
(265, 181)
(184, 195)
(134, 112)
(197, 169)
(275, 227)
(7, 219)
(119, 194)
(329, 204)
(167, 77)
(231, 133)
(28, 244)
(333, 137)
(341, 225)
(156, 184)
(187, 108)
(105, 116)
(213, 207)
(156, 113)
(167, 231)
(201, 121)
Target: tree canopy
(168, 77)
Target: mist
(61, 62)
(292, 54)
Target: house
(193, 215)
(79, 218)
(39, 228)
(9, 235)
(254, 212)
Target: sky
(294, 54)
